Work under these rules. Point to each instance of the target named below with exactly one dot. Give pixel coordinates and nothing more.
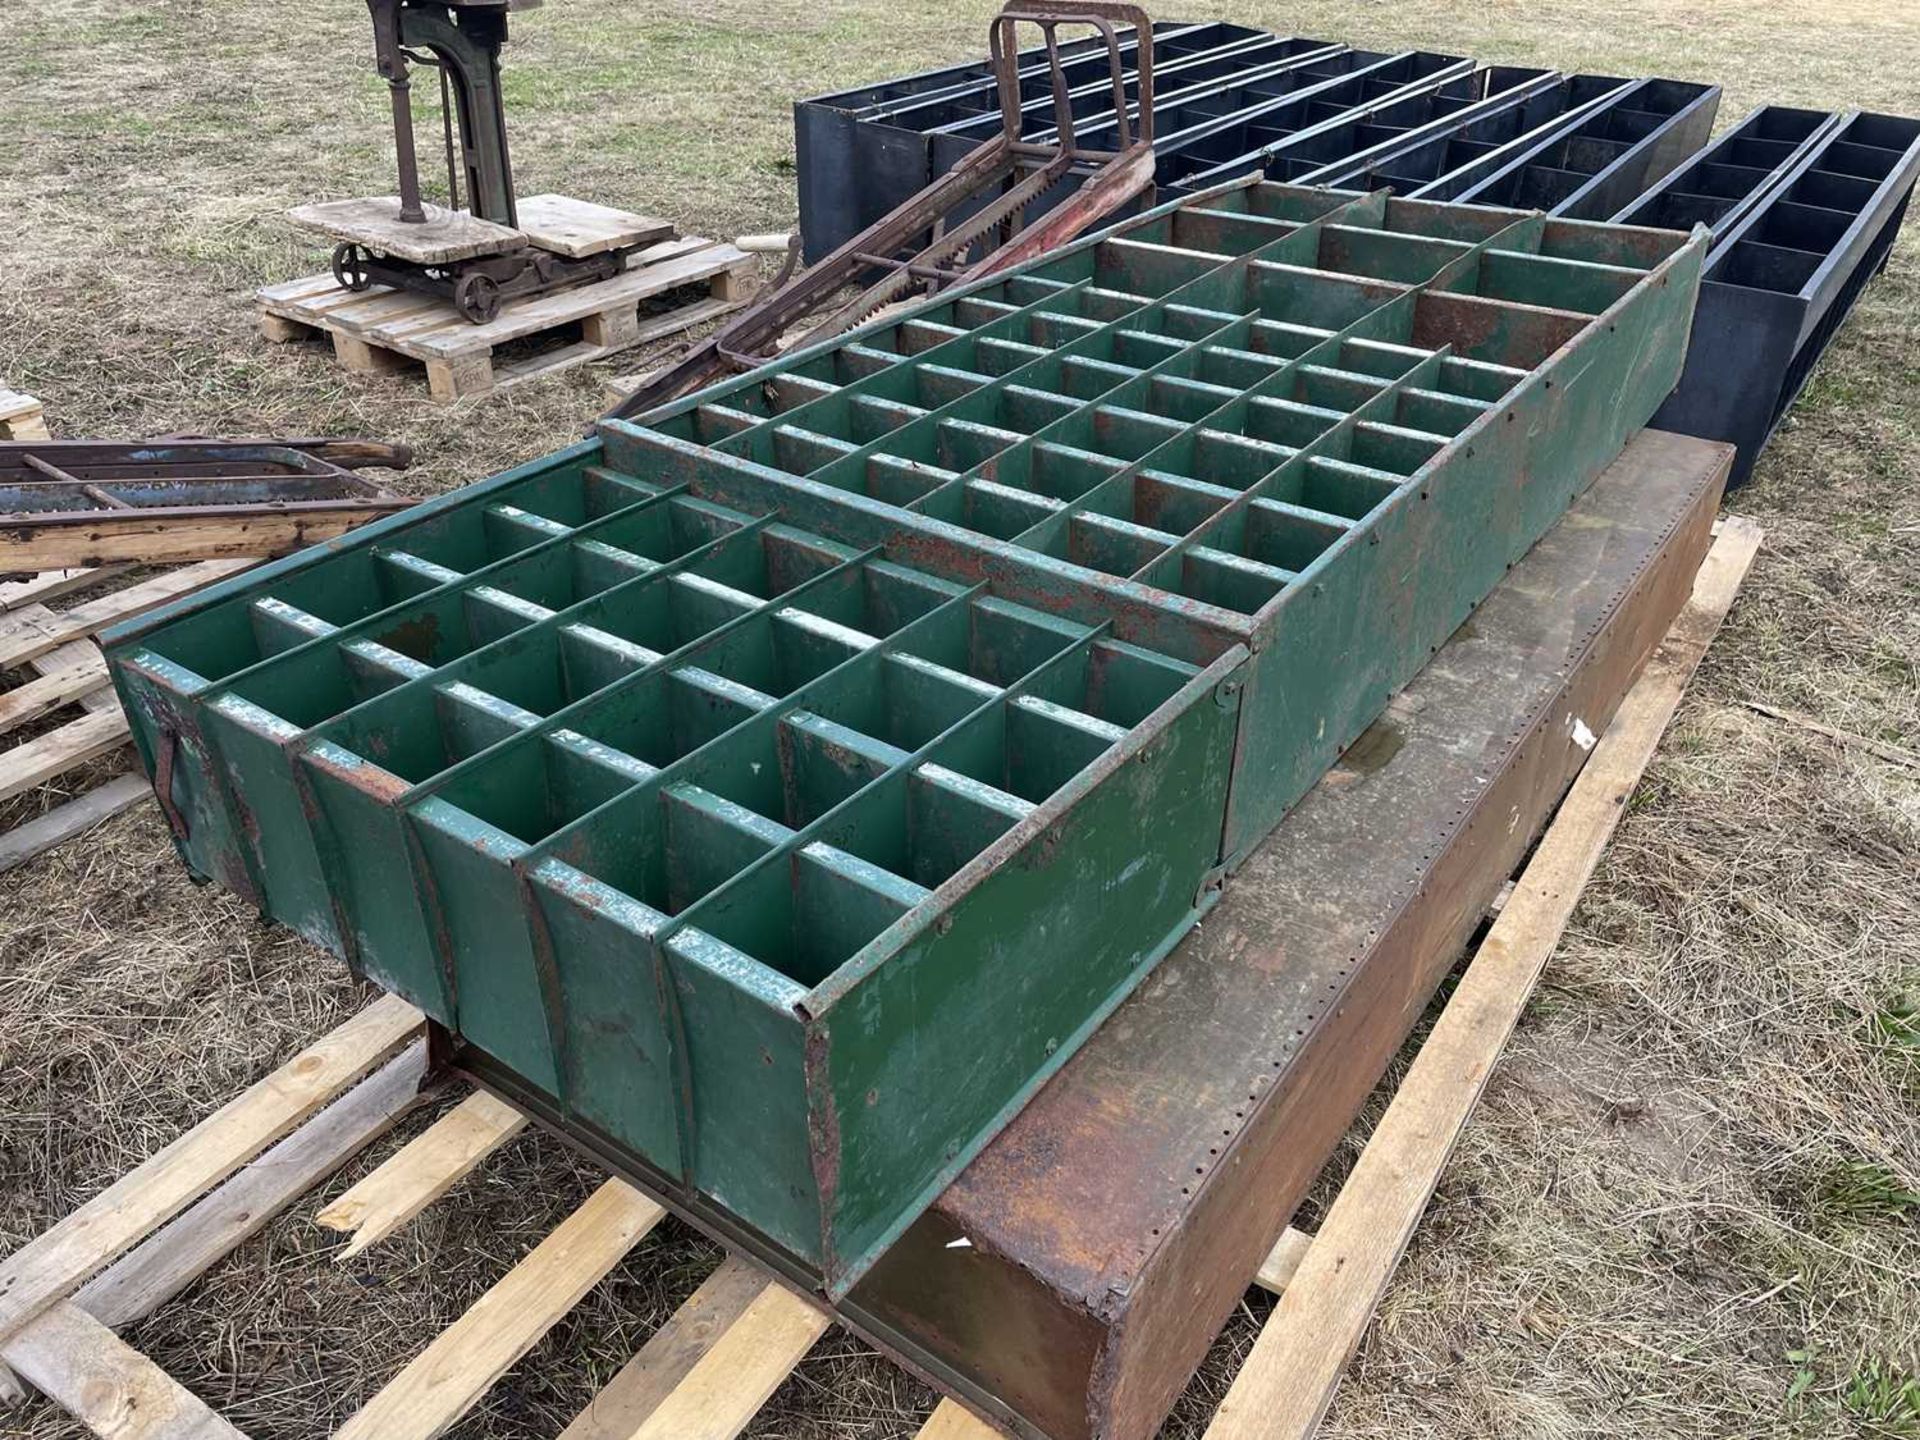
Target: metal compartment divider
(1373, 126)
(1593, 168)
(718, 780)
(1788, 262)
(1238, 120)
(1425, 166)
(1721, 183)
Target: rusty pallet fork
(988, 192)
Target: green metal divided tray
(778, 791)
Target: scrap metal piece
(974, 221)
(70, 503)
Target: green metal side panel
(776, 791)
(991, 1011)
(744, 1092)
(617, 1066)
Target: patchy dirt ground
(1686, 1209)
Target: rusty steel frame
(987, 194)
(67, 503)
(852, 173)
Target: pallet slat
(47, 757)
(153, 1192)
(47, 693)
(952, 1421)
(628, 288)
(112, 1388)
(156, 539)
(77, 652)
(52, 584)
(726, 1387)
(1283, 1261)
(1289, 1377)
(421, 1171)
(646, 1380)
(34, 631)
(461, 1364)
(75, 817)
(151, 1274)
(154, 1272)
(381, 328)
(21, 417)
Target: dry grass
(1680, 1211)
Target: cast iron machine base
(477, 288)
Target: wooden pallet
(21, 417)
(56, 648)
(707, 1371)
(382, 329)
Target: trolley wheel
(350, 267)
(477, 297)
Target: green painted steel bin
(774, 793)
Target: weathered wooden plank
(952, 1421)
(109, 1386)
(1290, 1376)
(579, 228)
(154, 1272)
(153, 1192)
(28, 632)
(725, 1388)
(48, 756)
(528, 317)
(444, 1380)
(21, 417)
(421, 1171)
(47, 693)
(374, 222)
(76, 652)
(152, 539)
(38, 589)
(1277, 1270)
(76, 817)
(646, 1380)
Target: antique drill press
(495, 247)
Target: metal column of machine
(485, 246)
